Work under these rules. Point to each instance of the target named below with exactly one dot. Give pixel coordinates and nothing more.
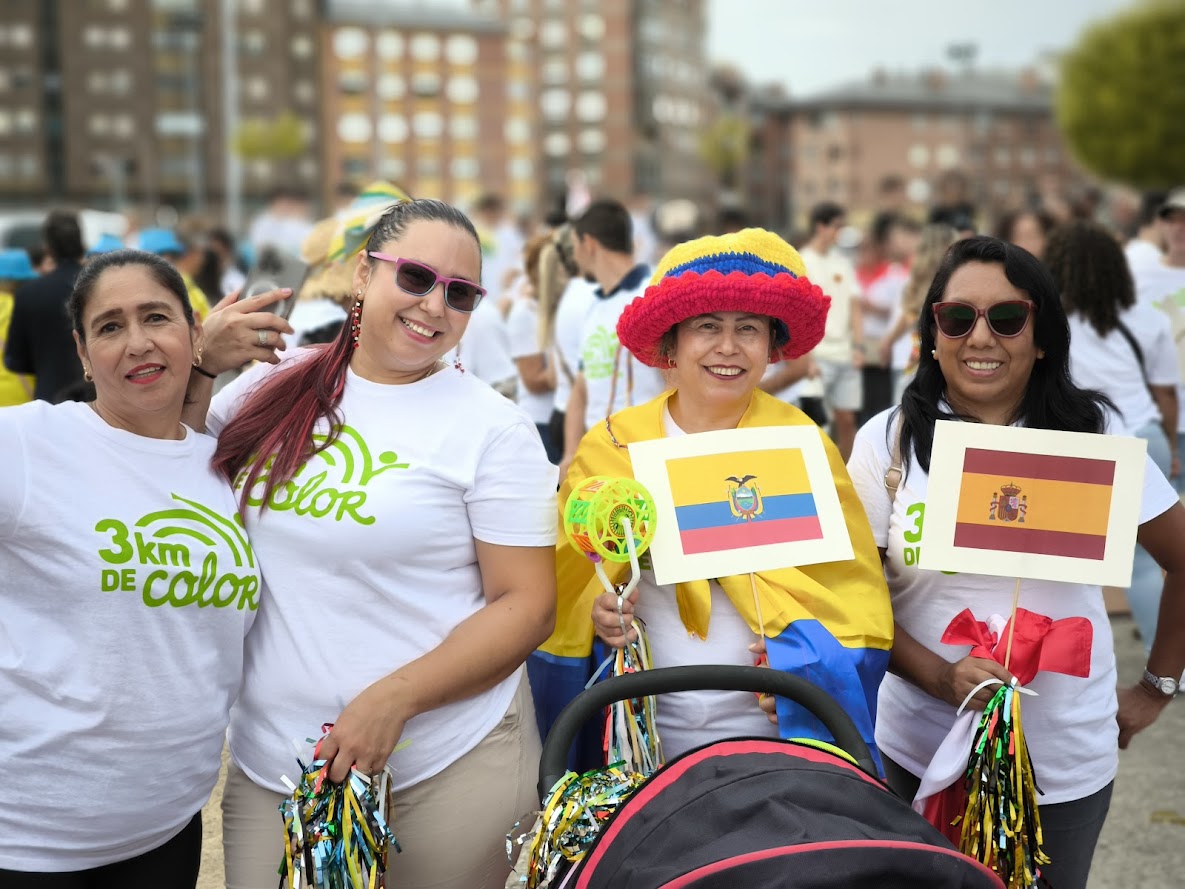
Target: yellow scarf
(849, 598)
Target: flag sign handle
(1012, 624)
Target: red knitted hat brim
(796, 302)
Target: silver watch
(1166, 685)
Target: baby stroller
(751, 812)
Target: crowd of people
(245, 517)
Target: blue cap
(160, 240)
(15, 266)
(105, 244)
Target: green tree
(278, 138)
(1121, 99)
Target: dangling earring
(356, 319)
(457, 359)
(197, 359)
(934, 354)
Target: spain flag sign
(740, 500)
(1021, 502)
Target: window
(25, 120)
(557, 145)
(251, 7)
(1028, 158)
(461, 49)
(590, 66)
(391, 87)
(427, 165)
(354, 127)
(21, 36)
(462, 89)
(94, 37)
(256, 88)
(425, 84)
(463, 127)
(261, 169)
(555, 71)
(28, 166)
(120, 81)
(428, 125)
(123, 126)
(519, 90)
(947, 157)
(392, 167)
(465, 168)
(100, 124)
(5, 166)
(393, 128)
(920, 121)
(304, 91)
(1003, 157)
(555, 104)
(355, 167)
(308, 169)
(302, 46)
(117, 5)
(521, 168)
(96, 82)
(553, 35)
(425, 47)
(389, 45)
(518, 130)
(591, 141)
(591, 107)
(919, 155)
(254, 42)
(350, 43)
(352, 83)
(522, 29)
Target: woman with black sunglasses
(405, 524)
(995, 349)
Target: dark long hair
(273, 431)
(1090, 271)
(1051, 400)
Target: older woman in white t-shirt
(996, 352)
(405, 524)
(1124, 350)
(126, 588)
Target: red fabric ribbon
(1040, 645)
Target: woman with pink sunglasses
(995, 348)
(403, 515)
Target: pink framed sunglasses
(1006, 319)
(418, 279)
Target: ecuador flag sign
(1021, 502)
(736, 501)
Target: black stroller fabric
(771, 814)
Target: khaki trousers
(452, 828)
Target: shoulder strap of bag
(1131, 341)
(894, 473)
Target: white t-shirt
(369, 561)
(1070, 726)
(836, 276)
(1141, 253)
(522, 327)
(578, 297)
(903, 347)
(1164, 287)
(689, 719)
(884, 292)
(598, 355)
(484, 349)
(126, 588)
(1109, 364)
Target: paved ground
(1143, 843)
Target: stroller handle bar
(695, 678)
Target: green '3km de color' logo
(314, 493)
(185, 537)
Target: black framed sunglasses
(418, 279)
(1006, 319)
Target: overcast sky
(810, 46)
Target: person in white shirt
(1145, 247)
(126, 588)
(530, 352)
(609, 377)
(997, 352)
(1123, 349)
(1162, 284)
(563, 325)
(840, 356)
(404, 517)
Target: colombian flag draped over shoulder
(830, 623)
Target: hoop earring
(671, 363)
(86, 375)
(197, 359)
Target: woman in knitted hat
(718, 310)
